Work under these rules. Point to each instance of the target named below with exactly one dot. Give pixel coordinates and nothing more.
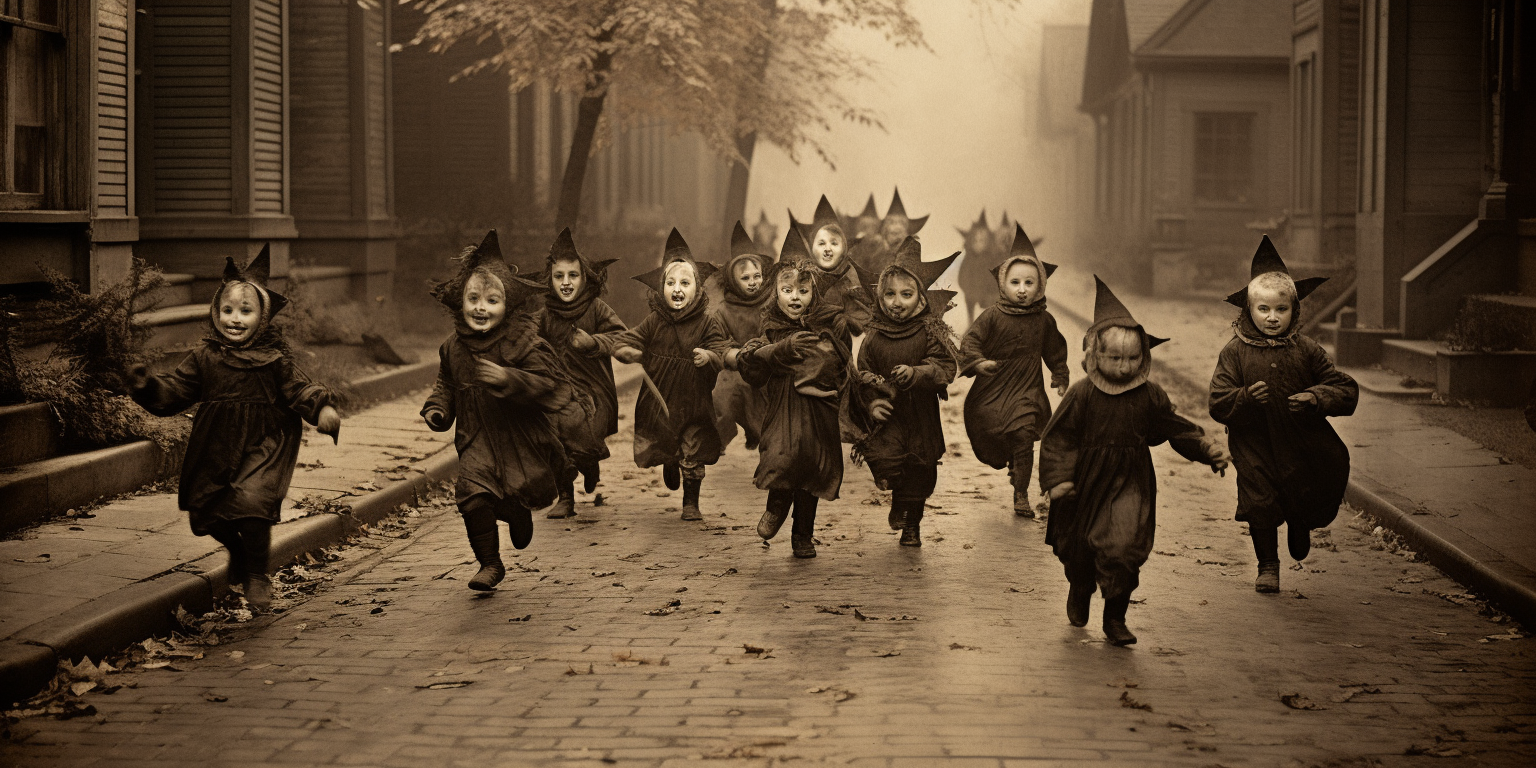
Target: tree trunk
(588, 111)
(736, 192)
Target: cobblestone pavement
(628, 637)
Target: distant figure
(976, 280)
(741, 313)
(1275, 388)
(764, 233)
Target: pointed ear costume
(1023, 250)
(1108, 311)
(255, 273)
(909, 261)
(486, 258)
(743, 248)
(676, 251)
(897, 209)
(1266, 260)
(826, 216)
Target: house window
(1224, 156)
(29, 39)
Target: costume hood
(1023, 250)
(1109, 311)
(677, 250)
(1266, 260)
(909, 259)
(743, 247)
(978, 224)
(826, 216)
(897, 209)
(256, 272)
(486, 256)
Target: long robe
(800, 447)
(246, 434)
(736, 401)
(667, 338)
(1291, 467)
(584, 437)
(1006, 410)
(914, 433)
(505, 436)
(1100, 443)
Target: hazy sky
(957, 124)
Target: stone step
(1327, 333)
(176, 327)
(1498, 321)
(1495, 378)
(1414, 358)
(1390, 384)
(177, 291)
(322, 283)
(36, 491)
(31, 434)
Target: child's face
(900, 297)
(679, 285)
(980, 241)
(749, 276)
(893, 231)
(1022, 283)
(485, 302)
(794, 295)
(866, 226)
(567, 279)
(1270, 309)
(239, 312)
(1119, 355)
(828, 248)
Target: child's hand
(1062, 491)
(490, 374)
(880, 410)
(627, 355)
(701, 357)
(803, 343)
(581, 341)
(138, 377)
(1302, 402)
(329, 423)
(1061, 390)
(988, 367)
(1220, 461)
(1260, 391)
(437, 419)
(731, 358)
(902, 376)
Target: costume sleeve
(168, 394)
(536, 378)
(1059, 443)
(1183, 435)
(1053, 348)
(1336, 391)
(971, 343)
(442, 395)
(716, 338)
(302, 394)
(1231, 402)
(605, 320)
(937, 369)
(611, 341)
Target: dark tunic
(245, 437)
(1100, 442)
(1006, 410)
(584, 438)
(667, 338)
(976, 278)
(800, 447)
(505, 437)
(1291, 467)
(736, 401)
(913, 435)
(843, 293)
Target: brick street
(871, 654)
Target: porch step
(38, 490)
(31, 434)
(1390, 384)
(1411, 357)
(1327, 333)
(177, 291)
(176, 327)
(322, 284)
(1496, 378)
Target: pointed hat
(869, 208)
(1266, 260)
(909, 256)
(256, 272)
(869, 282)
(676, 250)
(564, 249)
(897, 209)
(1024, 248)
(980, 223)
(1109, 311)
(487, 256)
(825, 216)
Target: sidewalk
(1453, 501)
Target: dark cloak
(736, 401)
(914, 433)
(1291, 467)
(1100, 442)
(1005, 411)
(592, 373)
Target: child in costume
(1275, 388)
(801, 364)
(572, 314)
(499, 383)
(1096, 466)
(680, 344)
(741, 313)
(246, 434)
(905, 366)
(895, 228)
(1007, 406)
(829, 252)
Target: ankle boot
(487, 551)
(1021, 506)
(1020, 470)
(1298, 539)
(1268, 581)
(802, 536)
(897, 516)
(1266, 547)
(258, 592)
(671, 474)
(912, 523)
(691, 498)
(773, 518)
(566, 505)
(1115, 630)
(519, 523)
(590, 476)
(1079, 600)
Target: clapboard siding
(267, 107)
(321, 117)
(375, 49)
(112, 109)
(192, 101)
(1444, 165)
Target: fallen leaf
(1298, 701)
(81, 687)
(236, 654)
(749, 648)
(521, 618)
(830, 609)
(214, 697)
(959, 647)
(1023, 591)
(448, 684)
(1130, 703)
(859, 616)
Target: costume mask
(794, 296)
(485, 302)
(894, 230)
(1271, 307)
(680, 285)
(239, 312)
(1119, 353)
(567, 279)
(900, 296)
(828, 248)
(749, 276)
(1022, 283)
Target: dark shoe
(803, 546)
(672, 475)
(1269, 578)
(566, 506)
(589, 477)
(236, 574)
(691, 499)
(772, 520)
(912, 535)
(487, 548)
(488, 577)
(258, 593)
(1021, 506)
(1115, 630)
(520, 526)
(1298, 540)
(897, 517)
(1079, 601)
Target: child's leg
(1266, 547)
(591, 472)
(915, 486)
(1081, 584)
(479, 516)
(1117, 580)
(779, 502)
(519, 522)
(224, 532)
(693, 478)
(256, 545)
(565, 506)
(1298, 539)
(802, 533)
(1019, 472)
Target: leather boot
(1266, 547)
(773, 518)
(258, 593)
(691, 498)
(912, 523)
(897, 516)
(1020, 468)
(672, 475)
(1079, 600)
(1298, 539)
(1268, 581)
(590, 475)
(1115, 630)
(566, 505)
(487, 551)
(803, 535)
(519, 523)
(1021, 505)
